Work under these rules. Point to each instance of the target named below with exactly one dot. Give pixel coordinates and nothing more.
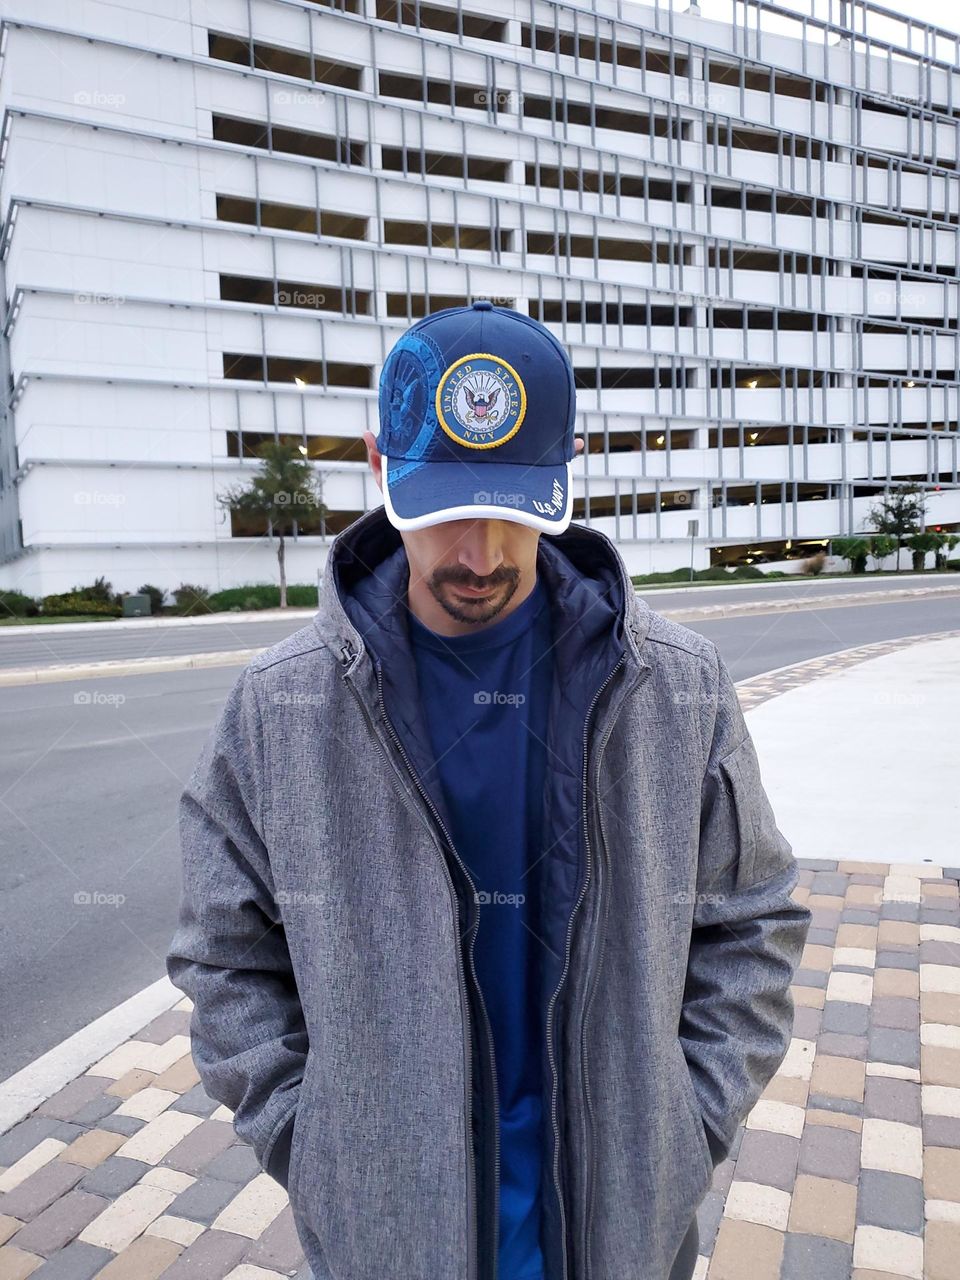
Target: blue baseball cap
(477, 410)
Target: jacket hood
(362, 602)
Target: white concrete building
(218, 215)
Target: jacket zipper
(566, 965)
(495, 1227)
(588, 1101)
(472, 1260)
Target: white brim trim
(484, 511)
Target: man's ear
(374, 458)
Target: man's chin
(471, 608)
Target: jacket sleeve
(748, 933)
(229, 952)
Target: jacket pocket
(296, 1146)
(763, 849)
(693, 1107)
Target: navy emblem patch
(481, 401)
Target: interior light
(911, 384)
(300, 382)
(752, 384)
(660, 439)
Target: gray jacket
(326, 930)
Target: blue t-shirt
(486, 697)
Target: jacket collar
(362, 599)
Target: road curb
(838, 600)
(745, 584)
(306, 612)
(126, 667)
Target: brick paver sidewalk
(848, 1166)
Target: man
(486, 918)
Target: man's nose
(481, 548)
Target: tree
(283, 493)
(945, 542)
(899, 512)
(920, 544)
(881, 546)
(853, 550)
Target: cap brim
(419, 494)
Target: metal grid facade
(747, 234)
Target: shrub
(854, 551)
(101, 590)
(740, 571)
(722, 573)
(191, 600)
(156, 595)
(881, 546)
(920, 544)
(302, 595)
(262, 595)
(254, 596)
(15, 604)
(946, 542)
(716, 573)
(674, 575)
(97, 599)
(74, 604)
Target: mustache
(469, 580)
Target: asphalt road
(88, 806)
(49, 646)
(762, 642)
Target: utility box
(136, 606)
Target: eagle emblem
(482, 403)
